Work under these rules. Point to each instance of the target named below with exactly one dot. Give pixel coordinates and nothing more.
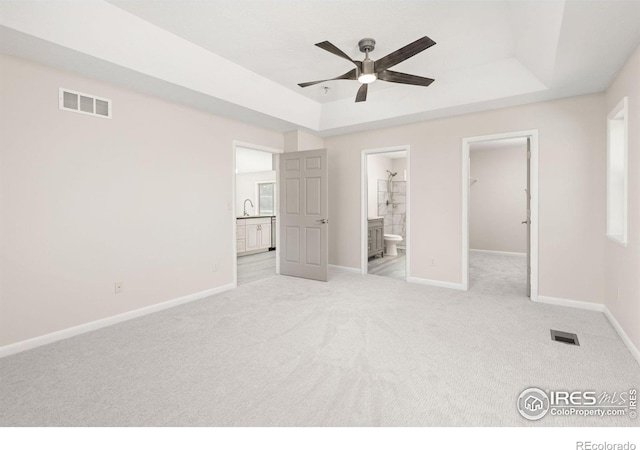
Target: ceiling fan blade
(361, 96)
(328, 46)
(351, 75)
(404, 78)
(404, 53)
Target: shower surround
(392, 205)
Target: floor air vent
(564, 337)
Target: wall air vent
(84, 103)
(564, 337)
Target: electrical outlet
(433, 262)
(118, 287)
(215, 267)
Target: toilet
(390, 244)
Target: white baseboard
(101, 323)
(570, 303)
(599, 307)
(436, 283)
(496, 252)
(344, 269)
(616, 326)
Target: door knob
(323, 220)
(526, 221)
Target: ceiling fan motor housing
(368, 66)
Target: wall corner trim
(616, 326)
(49, 338)
(598, 307)
(345, 269)
(437, 283)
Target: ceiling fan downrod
(367, 74)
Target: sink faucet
(245, 206)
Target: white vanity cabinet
(241, 236)
(253, 235)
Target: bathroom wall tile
(382, 186)
(398, 229)
(382, 210)
(388, 220)
(399, 208)
(399, 198)
(398, 219)
(399, 186)
(388, 229)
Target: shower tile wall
(393, 208)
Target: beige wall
(571, 191)
(298, 141)
(308, 141)
(143, 198)
(622, 286)
(498, 202)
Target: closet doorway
(500, 213)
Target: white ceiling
(275, 38)
(244, 58)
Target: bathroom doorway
(385, 212)
(255, 200)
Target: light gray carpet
(358, 350)
(495, 272)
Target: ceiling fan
(368, 71)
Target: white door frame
(466, 143)
(364, 188)
(234, 213)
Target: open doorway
(500, 250)
(255, 212)
(385, 212)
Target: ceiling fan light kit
(367, 71)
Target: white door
(303, 217)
